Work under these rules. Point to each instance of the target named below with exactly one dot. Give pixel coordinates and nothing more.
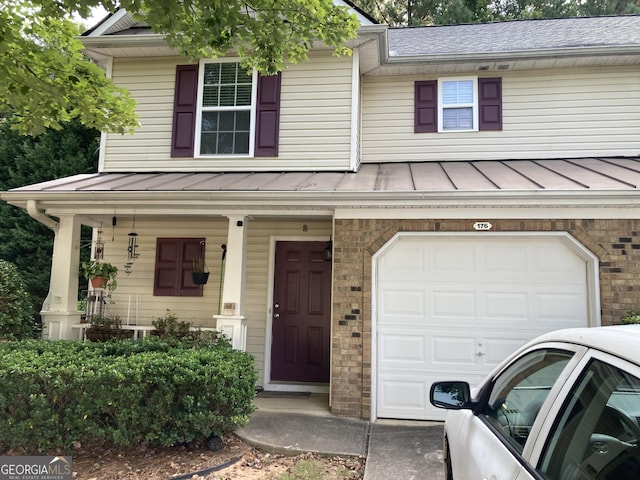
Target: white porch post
(232, 321)
(59, 311)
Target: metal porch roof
(451, 177)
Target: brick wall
(616, 243)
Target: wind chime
(132, 248)
(98, 251)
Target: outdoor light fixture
(328, 252)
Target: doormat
(265, 394)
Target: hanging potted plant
(100, 274)
(198, 273)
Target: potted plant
(101, 274)
(198, 273)
(104, 327)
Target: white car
(566, 406)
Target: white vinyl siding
(315, 119)
(134, 294)
(546, 114)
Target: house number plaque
(482, 226)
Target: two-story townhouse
(415, 211)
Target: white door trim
(592, 274)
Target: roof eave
(600, 51)
(627, 198)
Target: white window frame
(473, 105)
(200, 109)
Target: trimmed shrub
(16, 311)
(121, 393)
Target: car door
(491, 442)
(593, 433)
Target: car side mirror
(450, 395)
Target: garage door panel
(409, 258)
(505, 306)
(453, 308)
(407, 350)
(453, 304)
(552, 306)
(404, 396)
(403, 302)
(496, 349)
(453, 350)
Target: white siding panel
(315, 119)
(549, 113)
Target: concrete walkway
(397, 450)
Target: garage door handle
(480, 354)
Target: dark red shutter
(268, 116)
(490, 103)
(426, 106)
(184, 111)
(174, 263)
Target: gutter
(37, 214)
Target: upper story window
(221, 109)
(458, 105)
(226, 105)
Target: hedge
(121, 393)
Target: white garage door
(452, 308)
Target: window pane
(227, 121)
(244, 94)
(457, 119)
(519, 392)
(228, 73)
(242, 143)
(210, 96)
(211, 73)
(457, 92)
(597, 434)
(243, 121)
(209, 121)
(225, 142)
(227, 95)
(208, 142)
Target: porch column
(231, 321)
(59, 311)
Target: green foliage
(94, 269)
(47, 80)
(120, 393)
(198, 265)
(446, 12)
(263, 33)
(631, 318)
(27, 160)
(168, 327)
(16, 313)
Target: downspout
(36, 213)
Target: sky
(97, 14)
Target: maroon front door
(301, 313)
